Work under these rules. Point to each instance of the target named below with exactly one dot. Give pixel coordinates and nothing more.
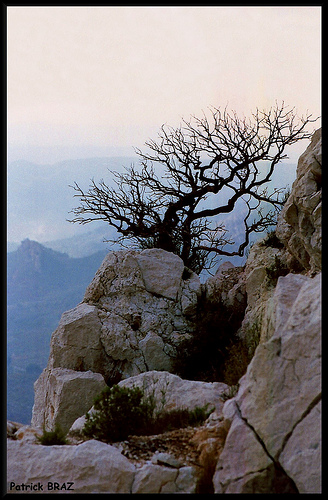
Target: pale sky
(109, 77)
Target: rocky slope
(263, 437)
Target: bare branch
(193, 174)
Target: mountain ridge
(41, 284)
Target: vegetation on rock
(51, 438)
(214, 352)
(122, 411)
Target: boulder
(172, 392)
(134, 313)
(161, 272)
(299, 223)
(62, 395)
(228, 287)
(76, 343)
(263, 263)
(12, 428)
(278, 398)
(28, 434)
(153, 478)
(90, 467)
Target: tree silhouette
(193, 174)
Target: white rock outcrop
(277, 400)
(92, 467)
(299, 225)
(172, 392)
(62, 395)
(135, 311)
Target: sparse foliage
(204, 355)
(51, 438)
(192, 175)
(122, 411)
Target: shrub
(276, 269)
(50, 438)
(202, 357)
(178, 418)
(121, 411)
(272, 240)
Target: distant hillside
(41, 285)
(39, 197)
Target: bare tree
(193, 174)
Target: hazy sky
(85, 80)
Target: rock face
(61, 396)
(90, 467)
(279, 397)
(299, 225)
(172, 392)
(135, 312)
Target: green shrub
(121, 411)
(50, 438)
(178, 418)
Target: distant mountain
(40, 198)
(95, 240)
(41, 285)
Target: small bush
(51, 438)
(240, 354)
(202, 357)
(178, 418)
(276, 269)
(121, 411)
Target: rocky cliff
(264, 433)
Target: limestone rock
(12, 427)
(28, 434)
(259, 288)
(277, 399)
(136, 310)
(93, 467)
(171, 392)
(227, 286)
(161, 272)
(152, 347)
(62, 395)
(299, 223)
(76, 343)
(161, 458)
(304, 448)
(153, 478)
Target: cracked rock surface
(276, 415)
(135, 312)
